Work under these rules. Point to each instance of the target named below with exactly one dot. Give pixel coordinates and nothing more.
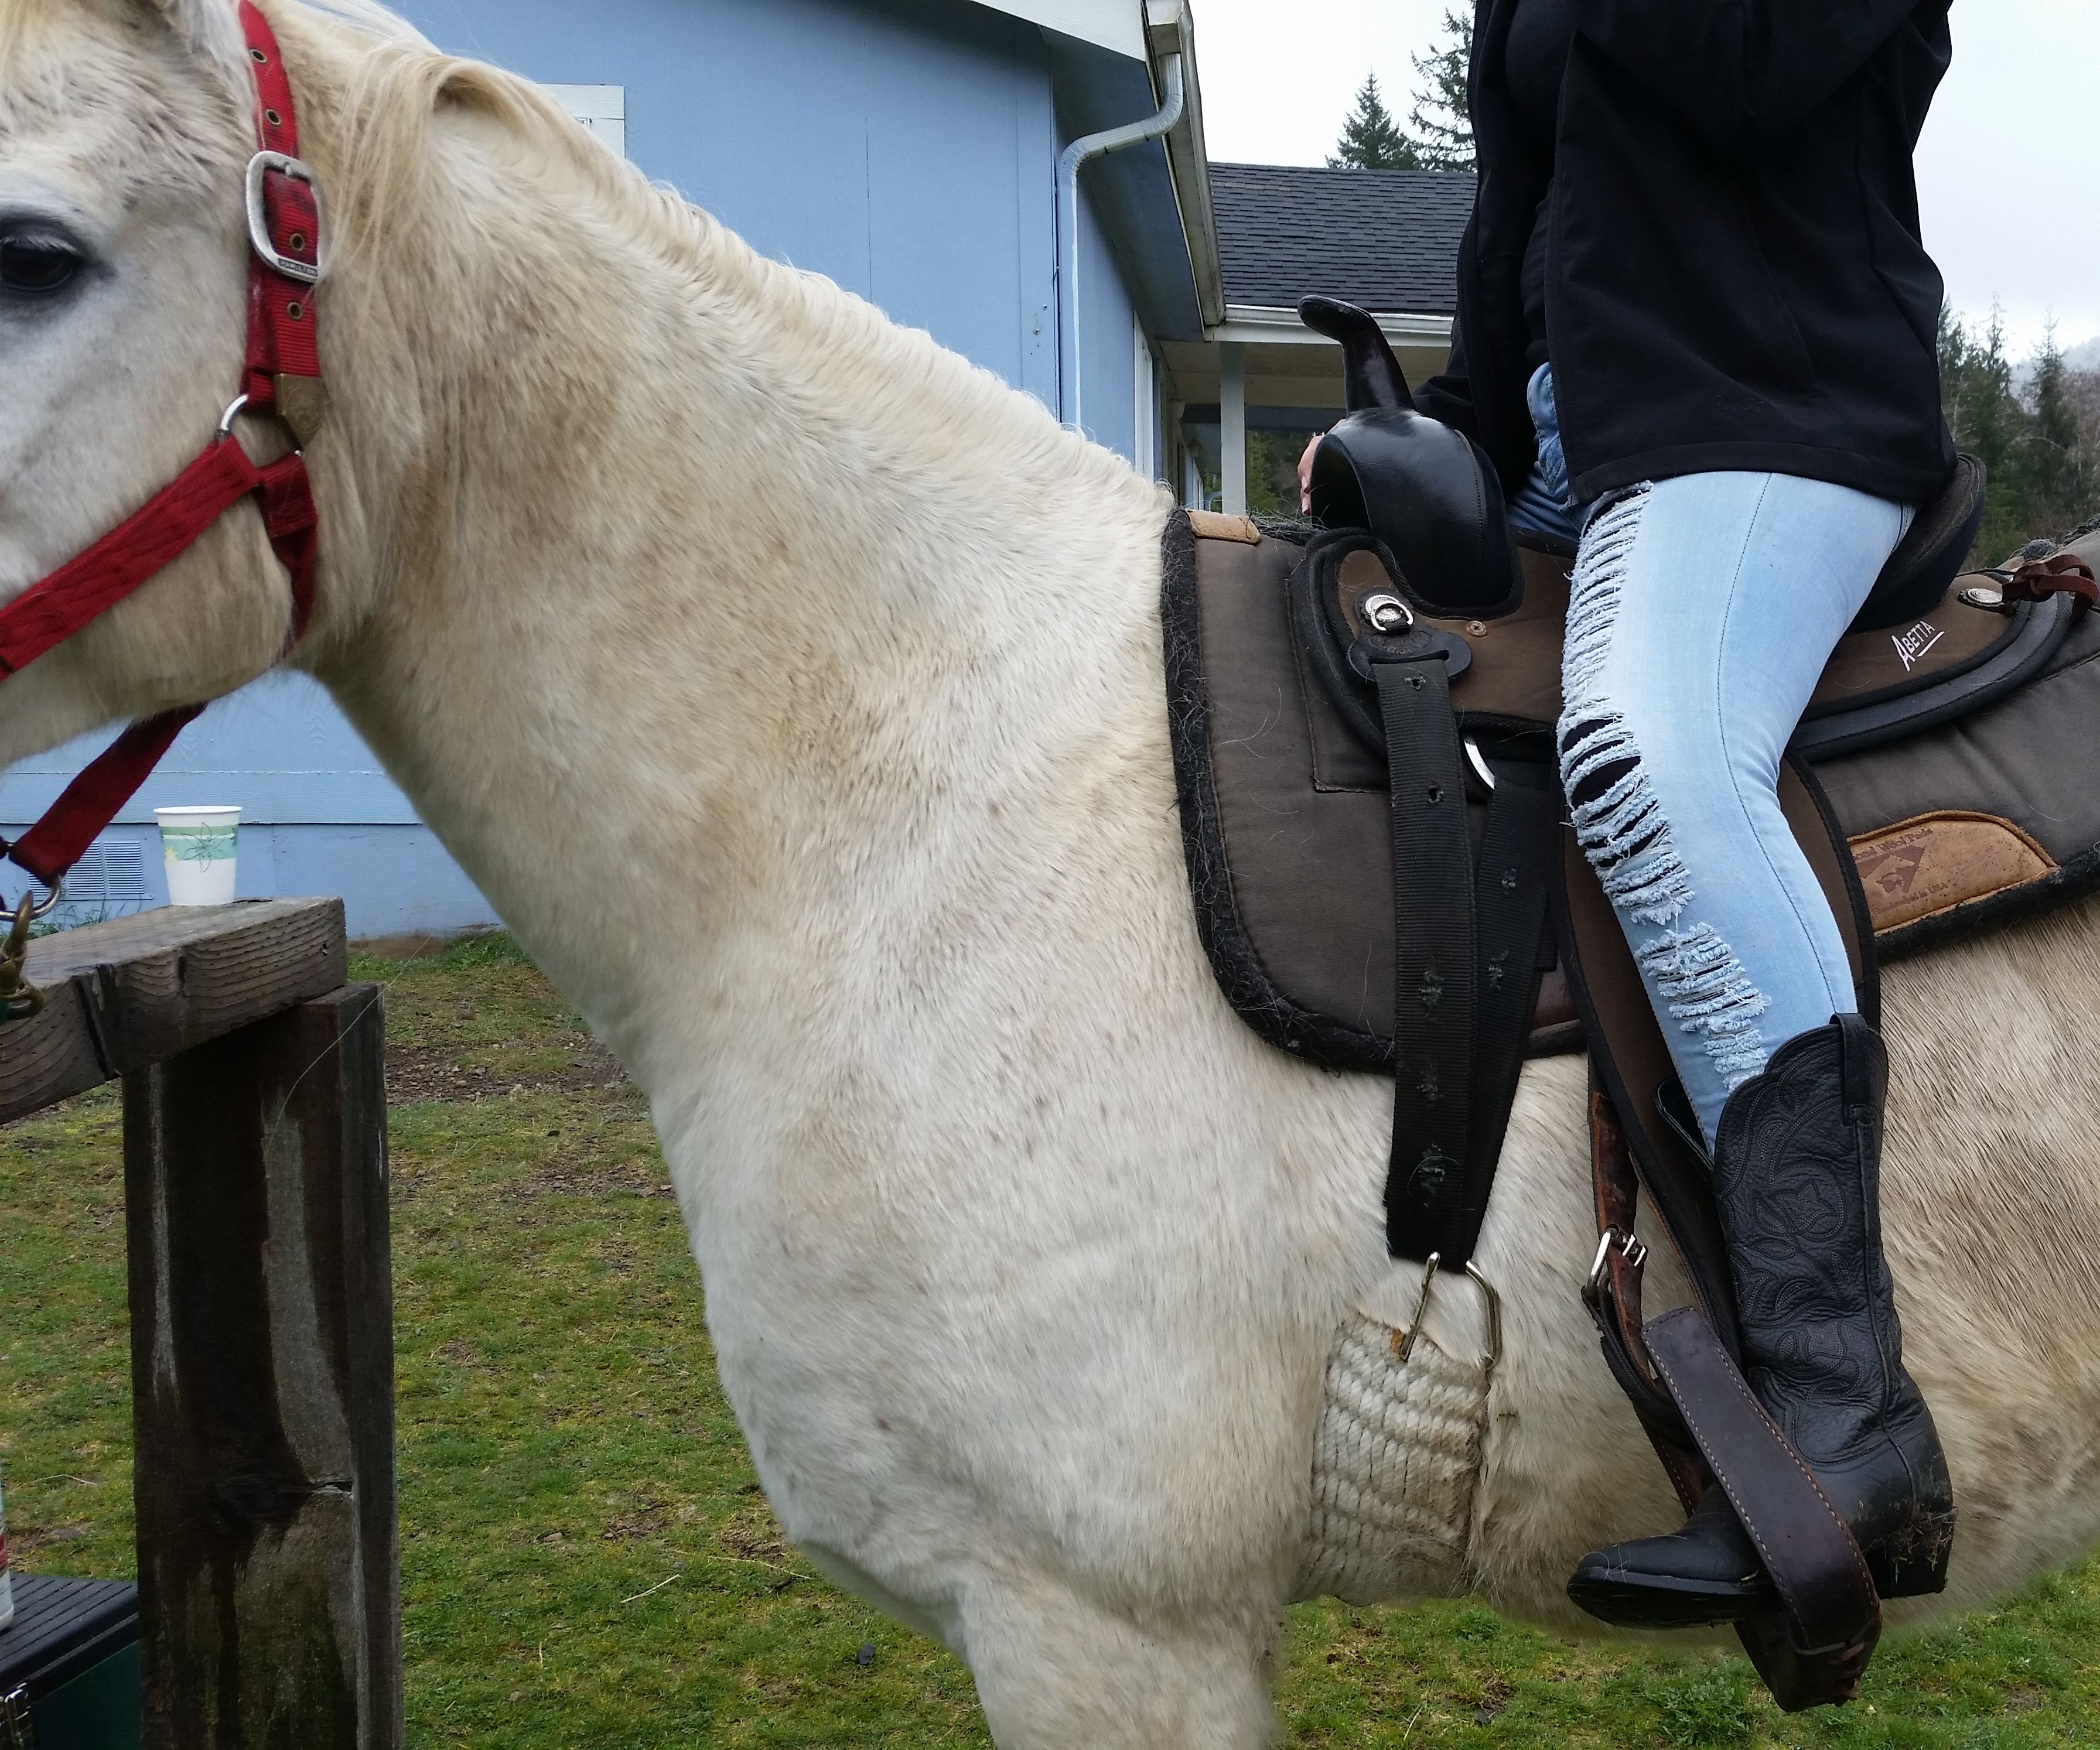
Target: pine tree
(2040, 446)
(1443, 138)
(2062, 475)
(1371, 139)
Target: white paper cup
(197, 845)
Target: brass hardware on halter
(19, 998)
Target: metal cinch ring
(1385, 613)
(1495, 1309)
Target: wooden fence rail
(262, 1309)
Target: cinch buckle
(259, 167)
(1494, 1304)
(1636, 1253)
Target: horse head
(127, 128)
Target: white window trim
(1145, 427)
(601, 109)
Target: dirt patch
(416, 1073)
(651, 1519)
(594, 1178)
(752, 1533)
(399, 947)
(1494, 1697)
(26, 1540)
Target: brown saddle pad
(1286, 822)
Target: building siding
(903, 151)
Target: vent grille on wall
(110, 872)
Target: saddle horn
(1428, 491)
(1371, 376)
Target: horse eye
(36, 267)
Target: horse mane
(399, 85)
(370, 18)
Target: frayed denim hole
(1616, 815)
(1708, 993)
(1619, 820)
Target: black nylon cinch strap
(1435, 954)
(1510, 909)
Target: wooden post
(132, 991)
(263, 1366)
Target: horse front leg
(1054, 1670)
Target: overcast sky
(2009, 170)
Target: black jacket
(1735, 278)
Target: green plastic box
(69, 1666)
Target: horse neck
(713, 602)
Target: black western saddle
(1384, 878)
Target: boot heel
(1912, 1564)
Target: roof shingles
(1387, 239)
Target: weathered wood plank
(262, 1352)
(127, 992)
(50, 1056)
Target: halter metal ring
(38, 911)
(234, 409)
(259, 167)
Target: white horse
(793, 688)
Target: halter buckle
(259, 168)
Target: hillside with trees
(2038, 429)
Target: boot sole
(1657, 1601)
(1912, 1564)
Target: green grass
(586, 1556)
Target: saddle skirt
(1955, 753)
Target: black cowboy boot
(1797, 1176)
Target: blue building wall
(1108, 350)
(905, 149)
(318, 815)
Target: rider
(1695, 332)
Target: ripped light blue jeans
(1702, 612)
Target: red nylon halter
(280, 378)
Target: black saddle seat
(1930, 555)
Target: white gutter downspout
(1093, 146)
